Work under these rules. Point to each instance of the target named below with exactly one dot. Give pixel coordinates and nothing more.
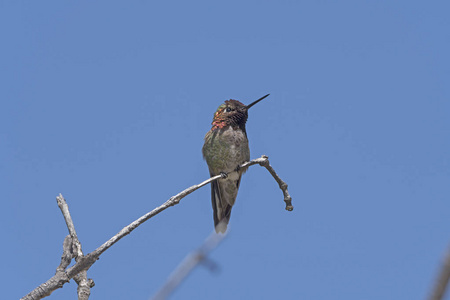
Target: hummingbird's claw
(238, 168)
(224, 175)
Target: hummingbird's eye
(228, 109)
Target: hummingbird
(225, 149)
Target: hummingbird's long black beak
(254, 102)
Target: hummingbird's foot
(238, 168)
(224, 175)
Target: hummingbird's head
(233, 113)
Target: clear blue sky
(108, 103)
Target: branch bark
(84, 262)
(84, 284)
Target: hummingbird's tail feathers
(221, 223)
(221, 209)
(221, 227)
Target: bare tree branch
(442, 280)
(188, 264)
(84, 284)
(67, 255)
(62, 204)
(60, 277)
(84, 262)
(264, 162)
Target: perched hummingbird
(225, 148)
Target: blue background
(108, 103)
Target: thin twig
(442, 280)
(62, 204)
(188, 264)
(83, 263)
(264, 162)
(84, 284)
(67, 255)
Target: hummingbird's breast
(225, 149)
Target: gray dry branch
(72, 246)
(84, 284)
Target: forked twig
(84, 284)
